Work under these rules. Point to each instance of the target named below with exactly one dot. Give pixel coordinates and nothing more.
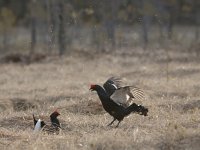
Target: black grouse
(53, 128)
(54, 120)
(114, 109)
(123, 95)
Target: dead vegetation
(63, 84)
(22, 58)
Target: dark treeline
(58, 23)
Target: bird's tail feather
(34, 120)
(137, 109)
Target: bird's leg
(111, 122)
(118, 124)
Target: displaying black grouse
(123, 95)
(114, 109)
(53, 128)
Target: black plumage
(54, 120)
(117, 111)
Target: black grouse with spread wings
(120, 107)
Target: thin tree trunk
(197, 19)
(95, 37)
(110, 29)
(145, 23)
(50, 24)
(171, 23)
(145, 27)
(33, 35)
(197, 32)
(5, 40)
(33, 28)
(61, 29)
(110, 22)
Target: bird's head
(55, 114)
(93, 87)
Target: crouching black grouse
(115, 109)
(54, 127)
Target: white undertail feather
(38, 126)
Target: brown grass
(40, 88)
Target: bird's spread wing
(111, 85)
(137, 93)
(125, 95)
(121, 96)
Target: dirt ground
(171, 85)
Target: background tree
(33, 26)
(65, 24)
(7, 20)
(61, 27)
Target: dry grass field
(172, 97)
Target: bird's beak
(91, 89)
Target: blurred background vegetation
(62, 26)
